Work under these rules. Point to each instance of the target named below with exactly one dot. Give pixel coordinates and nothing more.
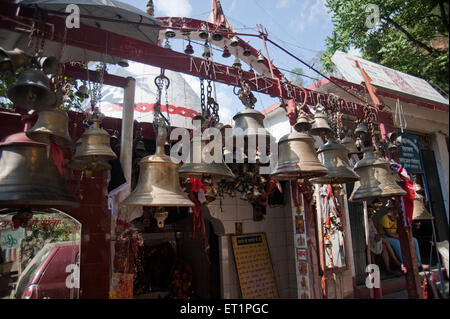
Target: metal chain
(162, 82)
(213, 107)
(369, 118)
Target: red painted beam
(98, 40)
(81, 74)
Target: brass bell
(51, 126)
(83, 165)
(95, 145)
(260, 58)
(203, 34)
(350, 145)
(361, 131)
(10, 61)
(234, 42)
(28, 178)
(170, 33)
(198, 170)
(320, 126)
(189, 49)
(158, 183)
(297, 158)
(32, 91)
(237, 63)
(217, 36)
(335, 158)
(420, 212)
(304, 123)
(376, 180)
(249, 124)
(226, 53)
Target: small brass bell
(189, 49)
(237, 63)
(249, 125)
(158, 183)
(260, 58)
(88, 167)
(170, 33)
(32, 91)
(226, 53)
(51, 126)
(420, 212)
(217, 36)
(303, 123)
(203, 34)
(28, 178)
(350, 145)
(234, 42)
(10, 61)
(198, 170)
(297, 158)
(320, 126)
(376, 180)
(247, 51)
(335, 158)
(95, 144)
(361, 131)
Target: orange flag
(217, 16)
(372, 90)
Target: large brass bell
(420, 212)
(28, 178)
(350, 145)
(297, 158)
(95, 144)
(32, 91)
(158, 183)
(303, 123)
(376, 180)
(51, 126)
(320, 126)
(198, 170)
(249, 125)
(335, 158)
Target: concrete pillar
(440, 150)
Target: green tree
(407, 35)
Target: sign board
(385, 77)
(409, 153)
(254, 266)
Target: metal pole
(441, 282)
(126, 142)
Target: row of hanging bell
(296, 154)
(158, 183)
(29, 178)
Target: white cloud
(311, 12)
(284, 3)
(174, 8)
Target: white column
(440, 150)
(126, 144)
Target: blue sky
(300, 26)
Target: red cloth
(197, 218)
(58, 157)
(408, 199)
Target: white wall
(277, 224)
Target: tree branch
(409, 36)
(443, 15)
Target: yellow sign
(254, 266)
